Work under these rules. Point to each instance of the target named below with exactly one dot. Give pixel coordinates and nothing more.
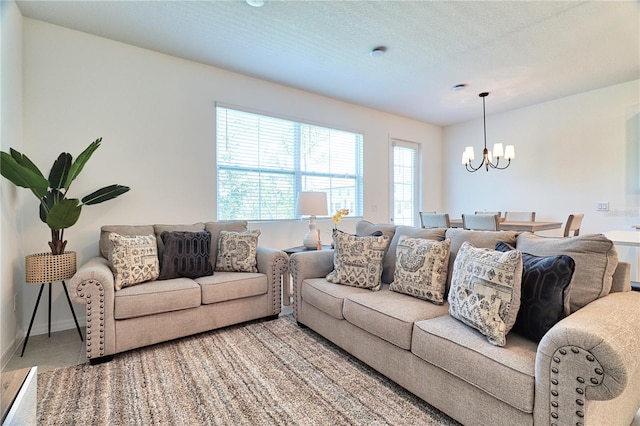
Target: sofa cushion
(595, 257)
(435, 234)
(225, 286)
(357, 261)
(480, 239)
(421, 268)
(485, 290)
(186, 254)
(389, 315)
(156, 297)
(365, 228)
(544, 293)
(133, 259)
(328, 297)
(237, 251)
(508, 372)
(106, 246)
(159, 229)
(215, 227)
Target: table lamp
(311, 203)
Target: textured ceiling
(522, 52)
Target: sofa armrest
(621, 277)
(591, 356)
(308, 264)
(93, 286)
(274, 264)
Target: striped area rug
(261, 373)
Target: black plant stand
(35, 310)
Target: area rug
(261, 373)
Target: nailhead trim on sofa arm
(563, 382)
(581, 360)
(274, 270)
(91, 292)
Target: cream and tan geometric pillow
(421, 268)
(485, 290)
(357, 261)
(237, 251)
(134, 259)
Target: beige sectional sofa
(121, 316)
(584, 371)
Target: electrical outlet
(602, 206)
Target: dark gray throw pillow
(545, 288)
(186, 254)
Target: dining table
(512, 225)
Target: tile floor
(62, 349)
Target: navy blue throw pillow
(186, 254)
(545, 288)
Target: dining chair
(573, 225)
(435, 220)
(520, 216)
(481, 222)
(486, 212)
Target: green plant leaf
(24, 161)
(22, 176)
(104, 194)
(60, 171)
(48, 201)
(82, 159)
(64, 214)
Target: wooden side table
(287, 294)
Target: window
(263, 162)
(405, 183)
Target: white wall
(11, 252)
(156, 116)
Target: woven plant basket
(48, 268)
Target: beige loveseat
(584, 371)
(163, 309)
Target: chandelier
(468, 155)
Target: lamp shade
(498, 151)
(312, 203)
(510, 152)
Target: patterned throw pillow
(421, 268)
(186, 254)
(485, 290)
(237, 251)
(357, 261)
(544, 294)
(134, 259)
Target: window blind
(263, 162)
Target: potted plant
(56, 210)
